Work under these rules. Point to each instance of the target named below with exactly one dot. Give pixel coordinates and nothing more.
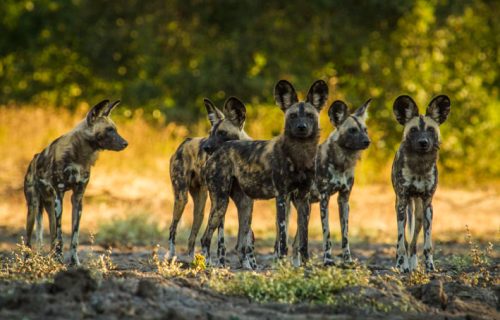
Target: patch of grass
(175, 269)
(479, 261)
(134, 229)
(29, 265)
(417, 277)
(98, 264)
(290, 285)
(459, 262)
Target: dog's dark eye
(430, 129)
(310, 115)
(110, 129)
(353, 130)
(222, 133)
(413, 129)
(293, 116)
(365, 130)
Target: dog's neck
(84, 150)
(419, 163)
(302, 152)
(333, 153)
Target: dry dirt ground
(134, 290)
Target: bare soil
(134, 290)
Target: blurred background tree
(165, 56)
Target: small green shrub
(134, 229)
(29, 265)
(175, 269)
(290, 285)
(480, 262)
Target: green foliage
(175, 269)
(29, 265)
(134, 229)
(291, 285)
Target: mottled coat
(65, 165)
(335, 164)
(190, 157)
(415, 176)
(277, 168)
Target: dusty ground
(135, 290)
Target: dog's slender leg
(217, 211)
(343, 203)
(327, 244)
(58, 203)
(200, 199)
(401, 253)
(288, 208)
(303, 211)
(39, 226)
(33, 208)
(429, 262)
(281, 205)
(52, 224)
(244, 204)
(76, 203)
(221, 247)
(53, 206)
(418, 216)
(179, 205)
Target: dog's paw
(296, 260)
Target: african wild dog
(65, 165)
(415, 176)
(190, 157)
(335, 164)
(277, 168)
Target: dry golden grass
(137, 181)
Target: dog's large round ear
(96, 111)
(404, 109)
(285, 95)
(338, 112)
(439, 108)
(235, 111)
(318, 94)
(362, 112)
(109, 108)
(214, 114)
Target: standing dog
(65, 165)
(190, 157)
(277, 168)
(415, 176)
(335, 164)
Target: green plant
(29, 265)
(290, 285)
(134, 229)
(175, 269)
(99, 264)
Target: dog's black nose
(423, 143)
(124, 144)
(302, 126)
(366, 142)
(207, 148)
